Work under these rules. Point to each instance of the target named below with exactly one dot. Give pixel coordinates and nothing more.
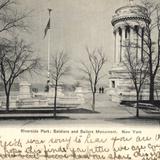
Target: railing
(61, 101)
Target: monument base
(121, 87)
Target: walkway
(108, 113)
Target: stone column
(114, 46)
(133, 37)
(123, 45)
(137, 42)
(120, 52)
(129, 35)
(117, 46)
(140, 43)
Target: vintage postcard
(79, 79)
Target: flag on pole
(47, 27)
(48, 24)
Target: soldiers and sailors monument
(129, 23)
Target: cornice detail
(125, 18)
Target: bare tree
(151, 42)
(92, 70)
(137, 70)
(16, 58)
(10, 17)
(59, 68)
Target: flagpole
(49, 41)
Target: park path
(112, 113)
(109, 114)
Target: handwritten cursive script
(93, 145)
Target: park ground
(107, 113)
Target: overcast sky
(75, 24)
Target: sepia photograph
(79, 79)
(79, 62)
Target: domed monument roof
(130, 12)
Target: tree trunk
(137, 106)
(7, 89)
(151, 89)
(55, 100)
(151, 85)
(93, 101)
(7, 101)
(7, 92)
